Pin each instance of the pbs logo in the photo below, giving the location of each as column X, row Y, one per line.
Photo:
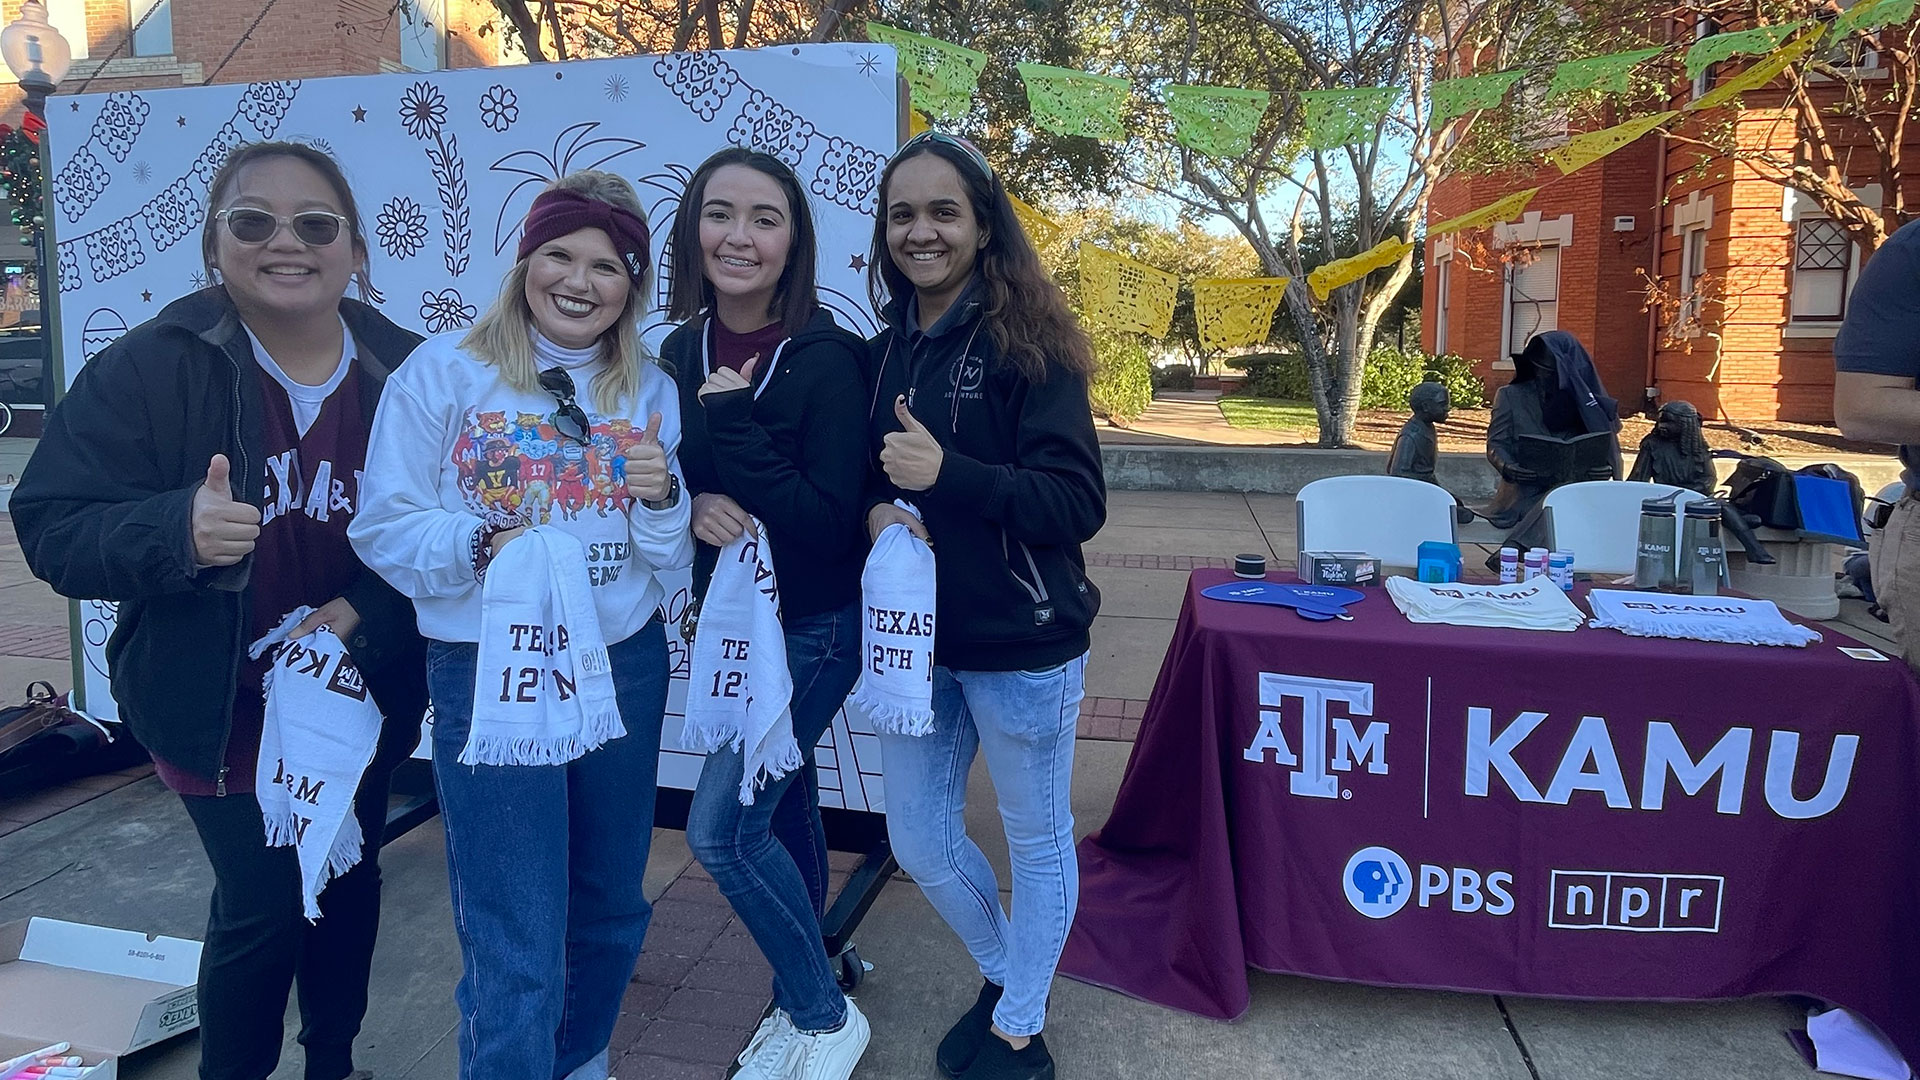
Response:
column 1377, row 882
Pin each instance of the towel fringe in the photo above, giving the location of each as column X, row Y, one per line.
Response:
column 600, row 728
column 889, row 717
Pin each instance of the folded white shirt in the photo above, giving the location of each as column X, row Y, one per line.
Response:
column 1527, row 605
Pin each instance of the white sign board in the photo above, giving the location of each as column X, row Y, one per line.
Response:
column 444, row 166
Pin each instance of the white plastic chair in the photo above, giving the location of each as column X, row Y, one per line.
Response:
column 1388, row 517
column 1599, row 521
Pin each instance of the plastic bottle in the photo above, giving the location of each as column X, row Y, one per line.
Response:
column 1509, row 565
column 1560, row 569
column 1655, row 565
column 1535, row 563
column 1702, row 559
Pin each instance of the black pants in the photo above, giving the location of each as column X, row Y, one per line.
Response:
column 259, row 942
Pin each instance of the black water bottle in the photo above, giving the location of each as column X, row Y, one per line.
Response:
column 1654, row 564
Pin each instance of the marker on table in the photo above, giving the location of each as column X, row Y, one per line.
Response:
column 43, row 1072
column 13, row 1066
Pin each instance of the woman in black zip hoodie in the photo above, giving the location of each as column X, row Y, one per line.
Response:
column 202, row 473
column 979, row 418
column 773, row 408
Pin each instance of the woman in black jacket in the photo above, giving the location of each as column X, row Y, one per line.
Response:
column 202, row 472
column 979, row 416
column 772, row 409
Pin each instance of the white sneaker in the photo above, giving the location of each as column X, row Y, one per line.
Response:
column 832, row 1055
column 771, row 1043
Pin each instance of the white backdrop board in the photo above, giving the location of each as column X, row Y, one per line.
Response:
column 444, row 166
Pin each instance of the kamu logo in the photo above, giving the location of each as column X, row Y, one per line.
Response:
column 1591, row 763
column 1327, row 744
column 1378, row 883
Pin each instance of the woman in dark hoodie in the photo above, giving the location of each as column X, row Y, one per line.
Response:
column 773, row 409
column 980, row 419
column 202, row 472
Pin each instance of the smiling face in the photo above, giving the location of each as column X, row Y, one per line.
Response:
column 577, row 286
column 284, row 279
column 746, row 234
column 933, row 236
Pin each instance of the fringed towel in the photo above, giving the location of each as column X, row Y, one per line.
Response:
column 1527, row 605
column 543, row 690
column 321, row 731
column 738, row 686
column 1734, row 619
column 896, row 673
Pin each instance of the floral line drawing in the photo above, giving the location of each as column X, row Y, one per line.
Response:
column 445, row 310
column 423, row 112
column 401, row 227
column 616, row 88
column 499, row 108
column 572, row 151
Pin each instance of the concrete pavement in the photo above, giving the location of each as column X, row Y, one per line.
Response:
column 128, row 857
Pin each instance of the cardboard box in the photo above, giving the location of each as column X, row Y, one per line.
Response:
column 1338, row 568
column 108, row 992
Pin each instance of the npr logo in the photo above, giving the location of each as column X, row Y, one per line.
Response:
column 1327, row 744
column 1646, row 903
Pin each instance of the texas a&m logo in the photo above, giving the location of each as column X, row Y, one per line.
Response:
column 1328, row 744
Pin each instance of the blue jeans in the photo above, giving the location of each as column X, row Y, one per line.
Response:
column 1025, row 722
column 546, row 863
column 771, row 858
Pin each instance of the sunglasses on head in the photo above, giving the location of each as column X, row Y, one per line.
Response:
column 963, row 145
column 570, row 420
column 314, row 228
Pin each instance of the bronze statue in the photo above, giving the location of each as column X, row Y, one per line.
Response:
column 1416, row 449
column 1675, row 452
column 1553, row 424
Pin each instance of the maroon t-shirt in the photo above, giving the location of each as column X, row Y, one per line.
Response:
column 731, row 350
column 302, row 555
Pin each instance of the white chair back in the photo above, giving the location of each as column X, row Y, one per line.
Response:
column 1388, row 517
column 1599, row 521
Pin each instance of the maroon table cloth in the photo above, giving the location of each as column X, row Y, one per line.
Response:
column 1579, row 814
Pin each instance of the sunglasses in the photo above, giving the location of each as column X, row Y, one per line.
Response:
column 570, row 419
column 956, row 142
column 314, row 228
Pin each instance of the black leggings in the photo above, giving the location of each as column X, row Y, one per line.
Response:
column 259, row 942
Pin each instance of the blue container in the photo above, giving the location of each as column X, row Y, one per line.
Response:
column 1438, row 561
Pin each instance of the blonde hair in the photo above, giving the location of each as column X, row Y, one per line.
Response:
column 504, row 335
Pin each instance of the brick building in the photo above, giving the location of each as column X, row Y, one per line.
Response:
column 1756, row 277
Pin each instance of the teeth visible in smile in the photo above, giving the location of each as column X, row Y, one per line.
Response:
column 570, row 306
column 289, row 271
column 741, row 263
column 927, row 256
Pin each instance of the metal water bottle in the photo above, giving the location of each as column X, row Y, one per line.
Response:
column 1655, row 565
column 1702, row 559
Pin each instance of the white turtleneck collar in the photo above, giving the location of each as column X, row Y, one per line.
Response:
column 546, row 354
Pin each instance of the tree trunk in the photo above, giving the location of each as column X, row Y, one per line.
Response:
column 525, row 25
column 830, row 16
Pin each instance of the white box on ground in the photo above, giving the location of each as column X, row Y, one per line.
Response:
column 108, row 992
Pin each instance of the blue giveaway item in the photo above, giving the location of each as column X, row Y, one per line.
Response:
column 1826, row 508
column 1439, row 561
column 1316, row 602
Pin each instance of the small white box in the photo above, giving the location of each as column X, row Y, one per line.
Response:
column 108, row 992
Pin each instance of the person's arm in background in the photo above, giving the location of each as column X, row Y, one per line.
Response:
column 1876, row 356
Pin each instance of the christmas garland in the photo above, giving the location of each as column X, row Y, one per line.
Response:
column 20, row 175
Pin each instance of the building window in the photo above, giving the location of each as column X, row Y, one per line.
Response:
column 423, row 34
column 70, row 18
column 1442, row 295
column 1822, row 270
column 1704, row 27
column 152, row 23
column 1533, row 295
column 1693, row 265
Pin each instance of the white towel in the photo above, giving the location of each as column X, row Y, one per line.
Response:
column 321, row 731
column 1526, row 605
column 1735, row 619
column 738, row 686
column 896, row 646
column 543, row 688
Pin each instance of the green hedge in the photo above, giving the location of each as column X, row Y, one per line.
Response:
column 1173, row 377
column 1390, row 376
column 1122, row 385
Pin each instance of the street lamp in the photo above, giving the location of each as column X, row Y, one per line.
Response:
column 39, row 57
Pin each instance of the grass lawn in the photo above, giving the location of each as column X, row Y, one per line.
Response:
column 1272, row 414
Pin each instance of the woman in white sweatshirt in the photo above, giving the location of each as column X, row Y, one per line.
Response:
column 547, row 412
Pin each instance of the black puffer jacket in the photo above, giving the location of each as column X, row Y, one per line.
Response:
column 104, row 512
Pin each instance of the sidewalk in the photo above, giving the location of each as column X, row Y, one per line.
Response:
column 127, row 857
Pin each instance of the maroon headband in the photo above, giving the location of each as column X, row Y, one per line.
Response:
column 558, row 212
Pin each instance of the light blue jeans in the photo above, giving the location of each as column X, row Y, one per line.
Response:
column 1025, row 723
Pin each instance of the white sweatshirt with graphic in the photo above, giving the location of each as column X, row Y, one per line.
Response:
column 453, row 445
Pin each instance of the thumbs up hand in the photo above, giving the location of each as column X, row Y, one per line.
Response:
column 724, row 379
column 224, row 529
column 911, row 457
column 647, row 473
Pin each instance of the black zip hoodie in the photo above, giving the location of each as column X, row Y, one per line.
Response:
column 104, row 512
column 1020, row 488
column 795, row 457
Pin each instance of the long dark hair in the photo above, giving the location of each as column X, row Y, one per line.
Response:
column 321, row 162
column 688, row 290
column 1026, row 312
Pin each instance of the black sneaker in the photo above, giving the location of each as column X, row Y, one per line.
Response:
column 963, row 1040
column 999, row 1061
